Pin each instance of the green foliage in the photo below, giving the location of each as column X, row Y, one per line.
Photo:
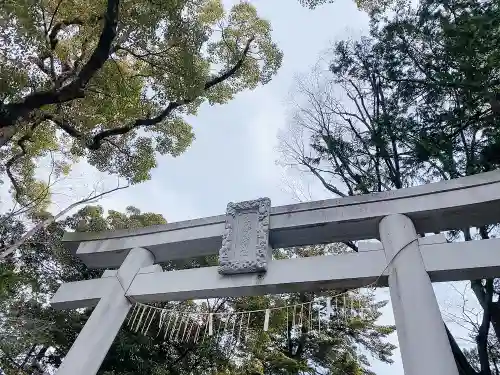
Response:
column 28, row 322
column 10, row 232
column 366, row 5
column 419, row 102
column 160, row 61
column 452, row 85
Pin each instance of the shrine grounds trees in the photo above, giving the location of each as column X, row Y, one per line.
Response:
column 109, row 81
column 415, row 102
column 34, row 337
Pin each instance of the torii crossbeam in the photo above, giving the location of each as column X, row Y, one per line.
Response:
column 394, row 217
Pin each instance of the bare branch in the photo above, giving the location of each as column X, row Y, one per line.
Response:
column 45, row 223
column 54, row 14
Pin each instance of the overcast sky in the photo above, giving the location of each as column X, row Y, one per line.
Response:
column 234, row 155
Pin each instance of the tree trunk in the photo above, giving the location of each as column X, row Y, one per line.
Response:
column 464, row 368
column 482, row 335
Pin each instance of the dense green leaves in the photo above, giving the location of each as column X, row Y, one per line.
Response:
column 110, row 81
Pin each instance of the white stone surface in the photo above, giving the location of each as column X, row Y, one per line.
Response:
column 369, row 246
column 395, row 217
column 93, row 342
column 443, row 262
column 454, row 204
column 377, row 245
column 432, row 240
column 78, row 294
column 423, row 342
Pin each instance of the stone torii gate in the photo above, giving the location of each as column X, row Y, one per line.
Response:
column 245, row 236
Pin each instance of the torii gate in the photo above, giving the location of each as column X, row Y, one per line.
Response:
column 245, row 236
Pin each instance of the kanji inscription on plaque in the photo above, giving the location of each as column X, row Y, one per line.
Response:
column 245, row 242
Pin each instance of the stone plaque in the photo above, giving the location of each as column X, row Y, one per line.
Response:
column 245, row 242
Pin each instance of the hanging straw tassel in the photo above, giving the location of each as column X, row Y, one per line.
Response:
column 319, row 320
column 234, row 324
column 132, row 314
column 138, row 311
column 188, row 326
column 188, row 320
column 198, row 329
column 210, row 324
column 146, row 319
column 225, row 324
column 183, row 320
column 310, row 316
column 170, row 320
column 163, row 314
column 287, row 330
column 206, row 329
column 266, row 320
column 150, row 321
column 345, row 310
column 140, row 319
column 248, row 327
column 173, row 327
column 239, row 332
column 328, row 311
column 190, row 330
column 220, row 325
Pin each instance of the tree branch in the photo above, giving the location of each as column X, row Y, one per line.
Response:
column 95, row 143
column 482, row 335
column 45, row 223
column 14, row 159
column 464, row 368
column 328, row 186
column 11, row 113
column 54, row 14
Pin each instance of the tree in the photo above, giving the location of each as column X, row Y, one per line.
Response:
column 417, row 104
column 357, row 142
column 441, row 56
column 110, row 81
column 370, row 6
column 33, row 327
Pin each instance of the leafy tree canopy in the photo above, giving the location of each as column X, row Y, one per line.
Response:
column 110, row 81
column 366, row 5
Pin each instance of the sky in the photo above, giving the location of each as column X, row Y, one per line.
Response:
column 234, row 155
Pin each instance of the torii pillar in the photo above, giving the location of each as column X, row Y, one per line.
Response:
column 92, row 344
column 422, row 336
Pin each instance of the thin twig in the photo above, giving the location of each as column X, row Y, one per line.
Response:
column 47, row 222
